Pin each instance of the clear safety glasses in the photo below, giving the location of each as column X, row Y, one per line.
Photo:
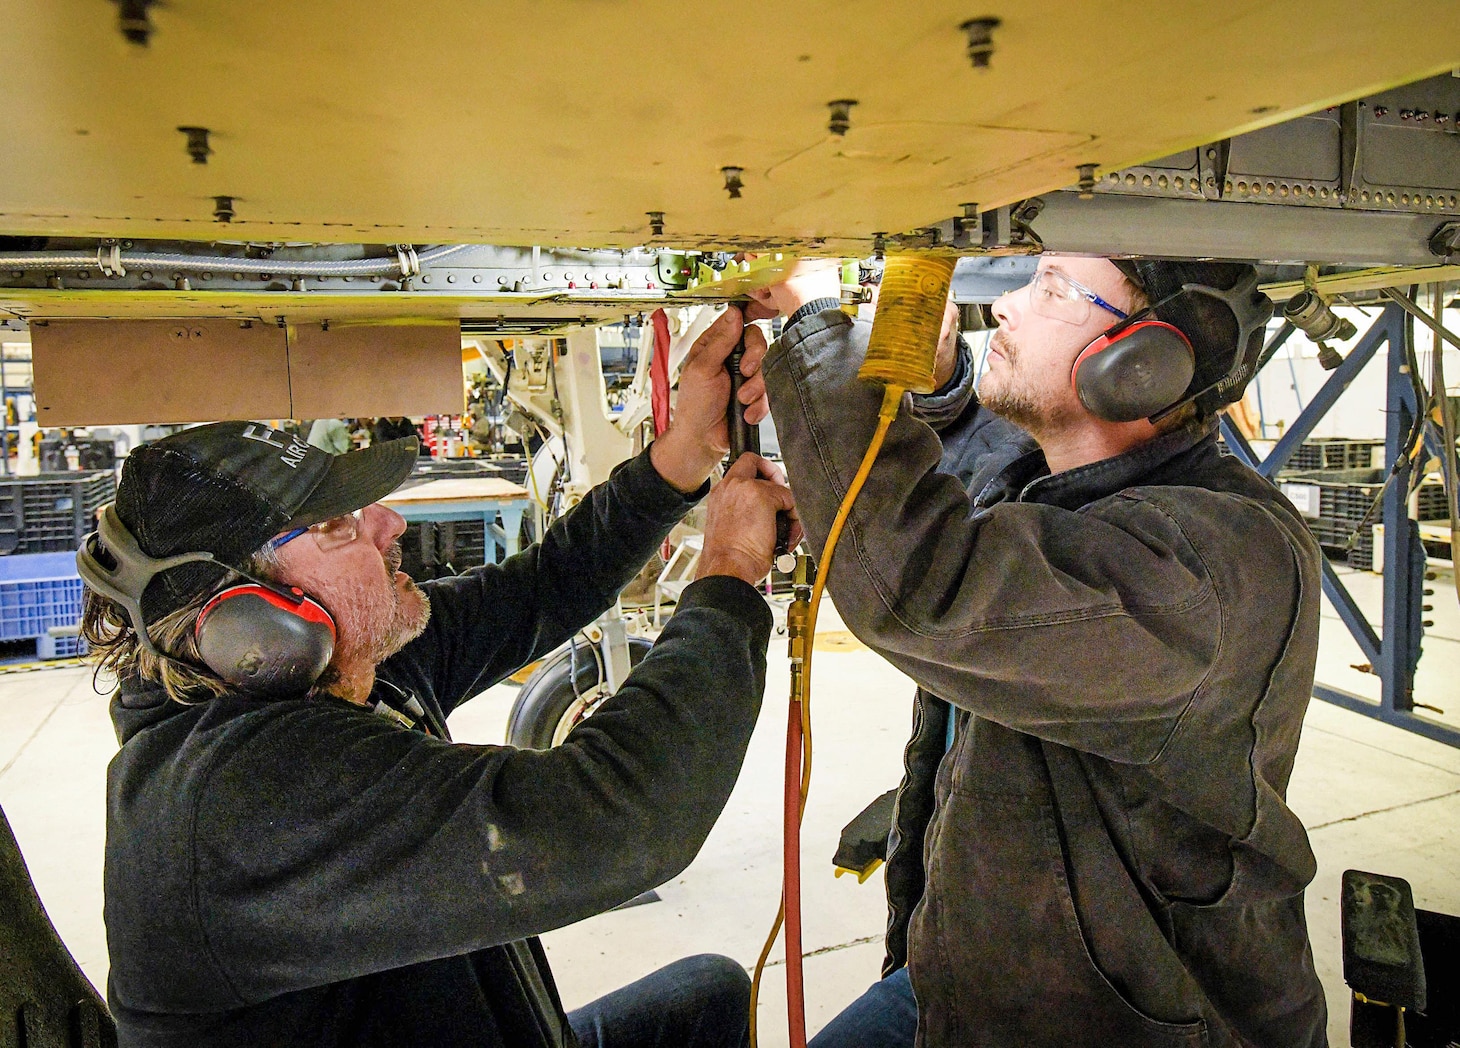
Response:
column 1053, row 294
column 328, row 534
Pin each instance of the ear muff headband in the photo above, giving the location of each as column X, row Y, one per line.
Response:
column 1251, row 310
column 129, row 572
column 288, row 653
column 1133, row 370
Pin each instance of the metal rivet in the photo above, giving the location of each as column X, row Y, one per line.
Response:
column 841, row 115
column 733, row 184
column 980, row 40
column 1087, row 180
column 133, row 21
column 476, row 278
column 1130, row 180
column 1180, row 182
column 1146, row 181
column 451, row 278
column 197, row 145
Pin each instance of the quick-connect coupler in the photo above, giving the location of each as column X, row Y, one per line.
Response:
column 798, row 615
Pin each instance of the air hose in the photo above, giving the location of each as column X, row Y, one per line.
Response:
column 902, row 356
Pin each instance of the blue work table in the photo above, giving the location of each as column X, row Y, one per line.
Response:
column 468, row 498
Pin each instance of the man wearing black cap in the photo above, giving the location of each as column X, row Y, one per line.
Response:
column 1113, row 629
column 296, row 852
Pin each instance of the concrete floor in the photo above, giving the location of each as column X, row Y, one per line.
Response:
column 1372, row 796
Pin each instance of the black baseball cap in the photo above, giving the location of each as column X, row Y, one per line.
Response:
column 1215, row 324
column 228, row 487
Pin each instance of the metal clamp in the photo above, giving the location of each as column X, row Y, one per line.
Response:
column 109, row 260
column 410, row 263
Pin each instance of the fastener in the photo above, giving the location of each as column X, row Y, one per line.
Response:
column 733, row 184
column 980, row 40
column 1087, row 181
column 198, row 147
column 134, row 22
column 841, row 115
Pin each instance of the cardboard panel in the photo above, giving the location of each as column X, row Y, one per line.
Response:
column 376, row 369
column 117, row 372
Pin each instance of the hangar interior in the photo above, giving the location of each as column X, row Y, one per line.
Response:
column 509, row 229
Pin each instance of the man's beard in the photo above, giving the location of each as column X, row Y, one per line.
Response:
column 412, row 610
column 380, row 635
column 1015, row 399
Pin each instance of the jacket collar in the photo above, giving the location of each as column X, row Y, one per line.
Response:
column 1083, row 485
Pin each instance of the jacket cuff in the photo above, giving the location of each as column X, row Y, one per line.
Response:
column 729, row 594
column 811, row 309
column 946, row 405
column 650, row 493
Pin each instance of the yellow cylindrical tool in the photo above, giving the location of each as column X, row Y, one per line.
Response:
column 904, row 344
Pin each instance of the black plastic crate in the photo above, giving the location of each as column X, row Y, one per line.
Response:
column 431, row 549
column 511, row 468
column 1432, row 504
column 1335, row 453
column 1361, row 557
column 52, row 511
column 1344, row 495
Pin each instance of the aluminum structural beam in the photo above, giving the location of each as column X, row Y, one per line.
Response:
column 1394, row 652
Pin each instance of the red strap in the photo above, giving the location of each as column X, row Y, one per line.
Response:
column 659, row 373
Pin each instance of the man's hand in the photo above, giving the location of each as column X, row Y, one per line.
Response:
column 696, row 440
column 947, row 345
column 740, row 524
column 809, row 280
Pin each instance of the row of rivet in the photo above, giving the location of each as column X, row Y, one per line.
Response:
column 1284, row 189
column 1160, row 181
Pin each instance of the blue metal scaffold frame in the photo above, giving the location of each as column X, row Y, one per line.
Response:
column 1394, row 652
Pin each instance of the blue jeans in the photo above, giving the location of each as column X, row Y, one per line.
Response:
column 699, row 1002
column 886, row 1016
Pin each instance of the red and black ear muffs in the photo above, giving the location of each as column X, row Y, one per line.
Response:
column 1134, row 369
column 265, row 640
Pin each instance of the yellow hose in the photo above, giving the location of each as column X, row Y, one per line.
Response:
column 891, row 398
column 901, row 354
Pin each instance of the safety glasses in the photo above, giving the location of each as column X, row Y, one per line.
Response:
column 1057, row 296
column 328, row 534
